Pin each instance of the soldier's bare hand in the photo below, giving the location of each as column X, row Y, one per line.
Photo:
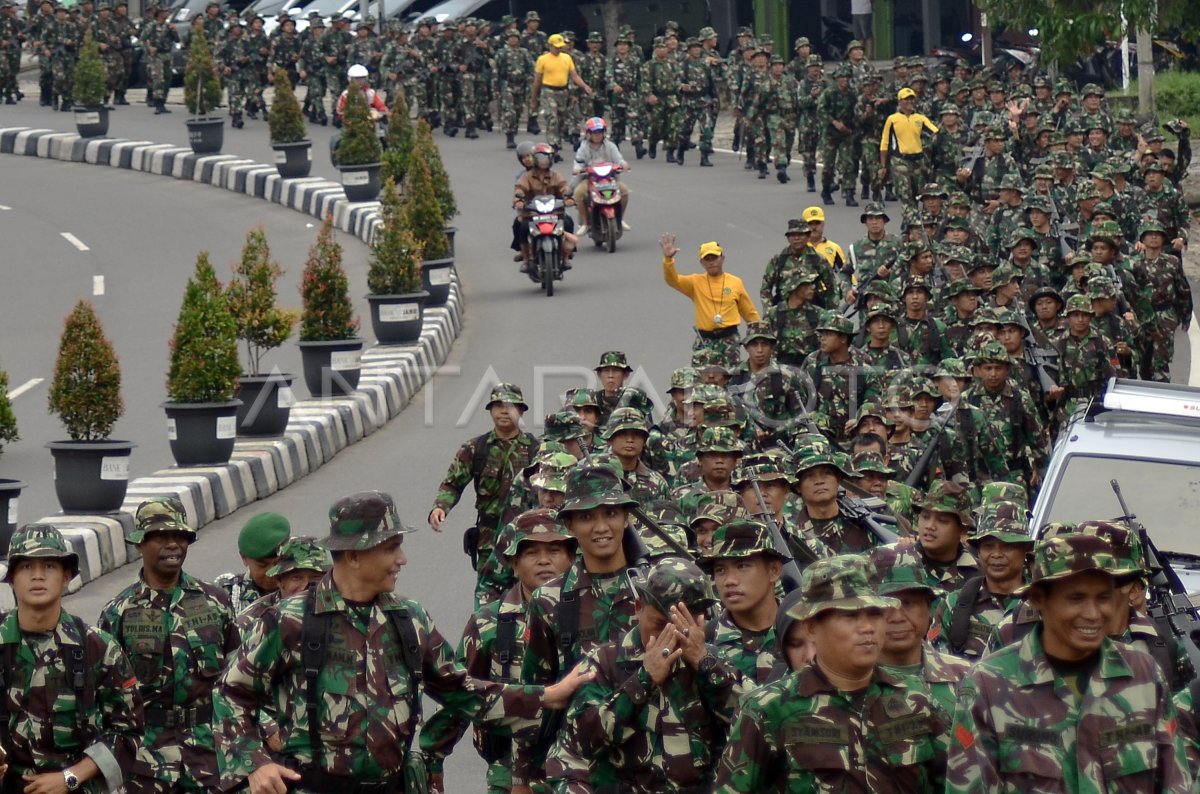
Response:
column 269, row 779
column 669, row 249
column 658, row 666
column 437, row 782
column 1178, row 243
column 558, row 696
column 436, row 516
column 691, row 634
column 46, row 783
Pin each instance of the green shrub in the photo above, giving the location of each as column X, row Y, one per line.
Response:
column 91, row 77
column 422, row 213
column 201, row 88
column 328, row 314
column 86, row 391
column 261, row 324
column 1176, row 95
column 437, row 171
column 204, row 354
column 8, row 420
column 286, row 120
column 359, row 144
column 395, row 267
column 398, row 145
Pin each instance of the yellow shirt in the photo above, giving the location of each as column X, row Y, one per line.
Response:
column 902, row 134
column 555, row 68
column 723, row 295
column 832, row 252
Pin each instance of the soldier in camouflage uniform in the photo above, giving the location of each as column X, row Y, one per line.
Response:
column 236, row 58
column 1084, row 366
column 1097, row 719
column 70, row 712
column 177, row 632
column 805, row 733
column 660, row 81
column 493, row 642
column 514, row 70
column 807, row 135
column 794, row 320
column 1170, row 299
column 773, row 395
column 258, row 544
column 593, row 68
column 623, row 78
column 285, row 51
column 870, row 114
column 839, row 375
column 335, row 53
column 626, row 433
column 717, row 452
column 942, row 528
column 159, row 38
column 491, row 462
column 837, row 125
column 375, row 657
column 658, row 708
column 698, row 84
column 873, row 256
column 782, row 114
column 312, row 71
column 12, row 38
column 60, row 42
column 799, row 256
column 111, row 43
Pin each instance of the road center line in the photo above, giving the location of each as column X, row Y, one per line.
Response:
column 4, row 208
column 1194, row 344
column 75, row 241
column 97, row 285
column 24, row 387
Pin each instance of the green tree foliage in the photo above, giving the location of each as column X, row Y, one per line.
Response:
column 395, row 253
column 91, row 76
column 204, row 354
column 328, row 314
column 422, row 213
column 1068, row 29
column 359, row 144
column 437, row 171
column 398, row 145
column 201, row 88
column 8, row 420
column 261, row 324
column 286, row 120
column 86, row 391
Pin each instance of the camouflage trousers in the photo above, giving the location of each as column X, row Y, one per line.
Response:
column 160, row 76
column 662, row 122
column 868, row 149
column 552, row 114
column 708, row 123
column 115, row 70
column 782, row 131
column 729, row 348
column 7, row 84
column 907, row 176
column 806, row 145
column 577, row 110
column 1157, row 345
column 837, row 155
column 514, row 100
column 336, row 80
column 314, row 99
column 64, row 76
column 258, row 84
column 468, row 91
column 45, row 72
column 625, row 121
column 759, row 135
column 241, row 91
column 690, row 112
column 415, row 93
column 449, row 99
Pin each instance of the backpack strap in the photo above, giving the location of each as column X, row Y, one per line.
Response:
column 479, row 456
column 960, row 617
column 79, row 675
column 410, row 646
column 566, row 615
column 313, row 639
column 504, row 650
column 8, row 657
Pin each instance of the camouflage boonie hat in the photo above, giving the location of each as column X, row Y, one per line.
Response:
column 300, row 554
column 894, row 569
column 589, row 486
column 719, row 506
column 820, row 454
column 506, row 393
column 995, row 134
column 874, row 209
column 835, row 322
column 1154, row 166
column 801, row 42
column 706, row 33
column 869, row 461
column 761, row 466
column 839, row 583
column 867, row 408
column 722, row 412
column 1003, row 521
column 682, row 379
column 1151, row 225
column 1066, row 555
column 758, row 330
column 843, row 70
column 739, row 539
column 626, row 419
column 595, row 36
column 916, row 282
column 707, row 358
column 881, row 288
column 1005, row 273
column 992, row 351
column 564, row 426
column 165, row 514
column 961, row 287
column 580, row 398
column 704, row 393
column 540, row 525
column 881, row 309
column 941, row 498
column 797, row 226
column 1040, row 203
column 362, row 521
column 1082, row 304
column 951, row 368
column 1012, row 182
column 41, row 541
column 672, row 580
column 532, row 16
column 551, row 474
column 720, row 439
column 613, row 358
column 1126, row 546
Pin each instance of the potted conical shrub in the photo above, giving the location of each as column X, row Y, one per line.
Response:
column 423, row 216
column 202, row 381
column 91, row 471
column 359, row 151
column 262, row 325
column 89, row 89
column 202, row 94
column 330, row 347
column 441, row 180
column 289, row 134
column 399, row 142
column 394, row 275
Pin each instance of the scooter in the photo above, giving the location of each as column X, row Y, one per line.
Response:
column 604, row 205
column 546, row 232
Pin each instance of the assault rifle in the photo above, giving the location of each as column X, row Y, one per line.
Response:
column 856, row 510
column 791, row 570
column 1060, row 232
column 1040, row 359
column 946, row 411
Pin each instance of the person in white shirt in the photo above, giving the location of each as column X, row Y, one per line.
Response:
column 596, row 148
column 860, row 14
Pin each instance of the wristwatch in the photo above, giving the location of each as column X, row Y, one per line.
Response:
column 707, row 664
column 72, row 780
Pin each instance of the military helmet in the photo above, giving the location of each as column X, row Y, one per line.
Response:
column 838, row 583
column 362, row 521
column 672, row 580
column 41, row 541
column 165, row 514
column 300, row 554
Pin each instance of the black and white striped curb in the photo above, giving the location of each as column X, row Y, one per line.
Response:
column 317, row 430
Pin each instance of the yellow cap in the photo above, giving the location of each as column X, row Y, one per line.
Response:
column 905, row 93
column 710, row 249
column 813, row 214
column 557, row 40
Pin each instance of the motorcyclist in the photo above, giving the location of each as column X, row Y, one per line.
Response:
column 595, row 148
column 358, row 74
column 525, row 158
column 542, row 180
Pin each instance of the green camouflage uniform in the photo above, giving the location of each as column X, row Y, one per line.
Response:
column 1083, row 367
column 836, row 402
column 787, row 262
column 514, row 70
column 63, row 39
column 660, row 79
column 1171, row 301
column 782, row 116
column 625, row 108
column 836, row 148
column 697, row 74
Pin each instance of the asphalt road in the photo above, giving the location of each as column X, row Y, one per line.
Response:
column 512, row 332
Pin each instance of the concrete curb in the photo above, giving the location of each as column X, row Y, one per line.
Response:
column 317, row 430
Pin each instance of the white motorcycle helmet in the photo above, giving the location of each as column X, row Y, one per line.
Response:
column 357, row 70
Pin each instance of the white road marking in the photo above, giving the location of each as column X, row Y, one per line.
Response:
column 24, row 387
column 1194, row 351
column 75, row 241
column 4, row 208
column 97, row 285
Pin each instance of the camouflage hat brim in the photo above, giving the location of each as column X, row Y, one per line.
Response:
column 707, row 562
column 44, row 554
column 893, row 588
column 365, row 541
column 805, row 610
column 1010, row 537
column 614, row 498
column 138, row 535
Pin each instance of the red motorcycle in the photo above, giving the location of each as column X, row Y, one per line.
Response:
column 604, row 205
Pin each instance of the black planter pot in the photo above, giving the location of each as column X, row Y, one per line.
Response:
column 450, row 232
column 9, row 491
column 293, row 160
column 435, row 279
column 331, row 369
column 91, row 122
column 397, row 319
column 206, row 135
column 91, row 476
column 361, row 182
column 202, row 434
column 267, row 402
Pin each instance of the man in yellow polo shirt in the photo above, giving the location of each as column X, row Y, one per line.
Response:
column 901, row 147
column 553, row 71
column 815, row 218
column 720, row 300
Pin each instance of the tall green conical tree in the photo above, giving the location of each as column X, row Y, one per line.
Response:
column 395, row 267
column 86, row 391
column 201, row 88
column 422, row 213
column 286, row 119
column 91, row 76
column 8, row 420
column 328, row 314
column 359, row 144
column 398, row 145
column 204, row 354
column 261, row 324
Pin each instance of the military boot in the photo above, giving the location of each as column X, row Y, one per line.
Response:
column 762, row 170
column 654, row 150
column 704, row 161
column 670, row 155
column 866, row 192
column 531, row 126
column 639, row 149
column 451, row 130
column 876, row 196
column 509, row 143
column 435, row 120
column 237, row 122
column 44, row 99
column 65, row 106
column 471, row 133
column 679, row 155
column 889, row 194
column 121, row 100
column 781, row 174
column 850, row 200
column 811, row 181
column 826, row 196
column 8, row 99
